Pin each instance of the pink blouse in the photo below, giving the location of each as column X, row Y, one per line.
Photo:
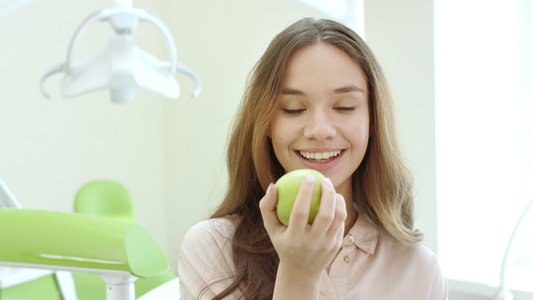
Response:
column 371, row 265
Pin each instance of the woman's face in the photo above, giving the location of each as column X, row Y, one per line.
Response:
column 322, row 120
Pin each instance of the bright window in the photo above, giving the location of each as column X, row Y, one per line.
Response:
column 484, row 119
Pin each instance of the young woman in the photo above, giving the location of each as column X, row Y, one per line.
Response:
column 317, row 99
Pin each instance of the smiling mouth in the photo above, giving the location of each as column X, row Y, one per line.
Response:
column 320, row 156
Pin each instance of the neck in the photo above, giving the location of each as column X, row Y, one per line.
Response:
column 351, row 213
column 351, row 216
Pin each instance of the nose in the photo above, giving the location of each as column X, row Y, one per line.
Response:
column 319, row 126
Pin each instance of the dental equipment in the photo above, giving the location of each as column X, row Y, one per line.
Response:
column 120, row 252
column 7, row 199
column 121, row 66
column 38, row 245
column 503, row 292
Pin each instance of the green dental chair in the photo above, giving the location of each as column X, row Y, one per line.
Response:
column 106, row 198
column 118, row 251
column 71, row 256
column 110, row 199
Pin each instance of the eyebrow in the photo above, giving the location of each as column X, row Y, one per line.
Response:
column 291, row 91
column 348, row 89
column 345, row 89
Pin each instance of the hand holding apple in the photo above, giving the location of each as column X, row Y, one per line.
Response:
column 288, row 186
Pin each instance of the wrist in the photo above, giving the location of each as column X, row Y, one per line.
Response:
column 294, row 284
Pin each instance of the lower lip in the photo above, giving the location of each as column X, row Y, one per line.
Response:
column 320, row 166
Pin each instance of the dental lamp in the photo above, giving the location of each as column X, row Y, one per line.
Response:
column 120, row 66
column 503, row 292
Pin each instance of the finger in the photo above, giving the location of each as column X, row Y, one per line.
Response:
column 267, row 205
column 326, row 210
column 338, row 222
column 302, row 204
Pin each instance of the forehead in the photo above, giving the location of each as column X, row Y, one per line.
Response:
column 322, row 66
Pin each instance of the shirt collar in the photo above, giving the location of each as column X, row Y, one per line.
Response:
column 365, row 234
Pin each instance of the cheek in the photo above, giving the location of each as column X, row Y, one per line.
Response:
column 360, row 133
column 279, row 141
column 276, row 136
column 282, row 131
column 274, row 130
column 364, row 132
column 283, row 138
column 280, row 148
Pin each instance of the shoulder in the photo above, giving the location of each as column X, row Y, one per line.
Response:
column 205, row 263
column 427, row 263
column 215, row 228
column 417, row 263
column 412, row 253
column 372, row 239
column 205, row 253
column 207, row 232
column 415, row 266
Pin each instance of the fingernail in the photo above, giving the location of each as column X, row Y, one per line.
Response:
column 268, row 189
column 310, row 178
column 328, row 182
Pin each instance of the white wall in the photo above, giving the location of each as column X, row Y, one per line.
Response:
column 170, row 153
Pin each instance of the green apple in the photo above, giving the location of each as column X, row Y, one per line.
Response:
column 288, row 186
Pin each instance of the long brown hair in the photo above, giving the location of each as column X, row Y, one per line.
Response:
column 382, row 184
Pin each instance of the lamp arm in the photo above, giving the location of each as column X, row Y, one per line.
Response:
column 169, row 40
column 143, row 15
column 186, row 70
column 175, row 66
column 505, row 261
column 65, row 67
column 93, row 18
column 58, row 68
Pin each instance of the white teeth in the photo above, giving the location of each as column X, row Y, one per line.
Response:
column 320, row 155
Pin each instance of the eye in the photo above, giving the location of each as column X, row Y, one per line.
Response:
column 293, row 111
column 344, row 108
